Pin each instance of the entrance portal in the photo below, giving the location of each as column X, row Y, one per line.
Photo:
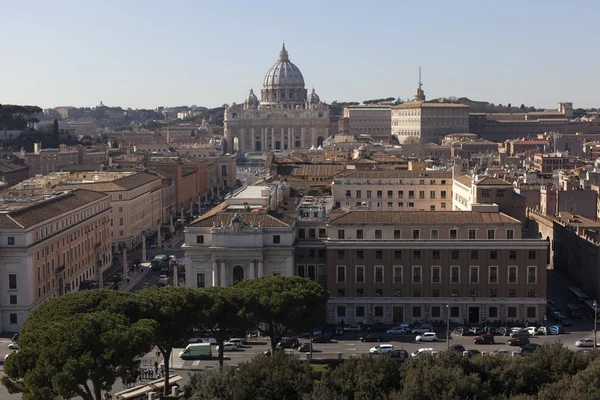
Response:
column 257, row 146
column 238, row 274
column 473, row 315
column 398, row 315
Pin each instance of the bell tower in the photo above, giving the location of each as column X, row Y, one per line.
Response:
column 419, row 93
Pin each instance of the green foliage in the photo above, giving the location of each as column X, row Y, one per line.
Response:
column 285, row 303
column 584, row 385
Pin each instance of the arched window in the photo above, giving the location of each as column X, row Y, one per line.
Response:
column 238, row 274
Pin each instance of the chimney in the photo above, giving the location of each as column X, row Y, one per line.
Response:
column 36, row 148
column 62, row 148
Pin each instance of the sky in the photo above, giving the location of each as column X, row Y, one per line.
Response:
column 145, row 54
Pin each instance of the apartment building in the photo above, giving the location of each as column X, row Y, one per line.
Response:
column 407, row 266
column 547, row 163
column 371, row 121
column 393, row 190
column 45, row 161
column 50, row 245
column 12, row 173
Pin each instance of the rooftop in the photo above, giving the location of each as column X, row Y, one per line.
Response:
column 423, row 104
column 423, row 218
column 269, row 219
column 393, row 174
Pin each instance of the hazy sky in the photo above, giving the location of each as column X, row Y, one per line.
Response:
column 143, row 54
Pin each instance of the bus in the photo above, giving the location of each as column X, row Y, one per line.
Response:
column 573, row 311
column 577, row 296
column 590, row 309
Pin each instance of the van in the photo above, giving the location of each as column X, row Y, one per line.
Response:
column 423, row 351
column 196, row 350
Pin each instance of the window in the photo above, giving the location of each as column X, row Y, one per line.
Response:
column 341, row 254
column 341, row 292
column 341, row 273
column 512, row 312
column 531, row 293
column 397, row 234
column 378, row 234
column 321, row 253
column 531, row 274
column 12, row 281
column 312, row 234
column 360, row 311
column 416, row 274
column 500, row 193
column 341, row 311
column 454, row 254
column 360, row 254
column 436, row 274
column 532, row 254
column 512, row 254
column 300, row 271
column 379, row 292
column 322, row 233
column 390, row 194
column 493, row 278
column 360, row 292
column 369, row 194
column 510, row 234
column 435, row 234
column 486, row 193
column 341, row 234
column 512, row 274
column 11, row 241
column 474, row 275
column 512, row 293
column 443, row 194
column 321, row 272
column 360, row 274
column 416, row 254
column 493, row 312
column 400, row 194
column 397, row 254
column 435, row 254
column 531, row 312
column 379, row 254
column 491, row 234
column 453, row 234
column 199, row 239
column 436, row 312
column 455, row 274
column 474, row 254
column 432, row 194
column 301, row 234
column 379, row 311
column 120, row 221
column 200, row 280
column 358, row 194
column 397, row 292
column 13, row 319
column 379, row 274
column 493, row 292
column 276, row 239
column 454, row 312
column 13, row 299
column 397, row 274
column 454, row 292
column 415, row 234
column 493, row 254
column 421, row 194
column 359, row 234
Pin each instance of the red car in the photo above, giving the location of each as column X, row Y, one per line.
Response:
column 484, row 339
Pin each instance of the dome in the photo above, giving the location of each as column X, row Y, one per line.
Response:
column 313, row 98
column 283, row 73
column 252, row 97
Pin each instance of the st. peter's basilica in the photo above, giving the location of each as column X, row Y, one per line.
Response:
column 286, row 116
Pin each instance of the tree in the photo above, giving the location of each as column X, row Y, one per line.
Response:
column 78, row 354
column 283, row 303
column 522, row 107
column 224, row 314
column 585, row 385
column 211, row 384
column 174, row 309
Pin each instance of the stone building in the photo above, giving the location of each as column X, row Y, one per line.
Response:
column 287, row 116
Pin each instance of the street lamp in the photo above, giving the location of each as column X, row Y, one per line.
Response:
column 595, row 304
column 447, row 326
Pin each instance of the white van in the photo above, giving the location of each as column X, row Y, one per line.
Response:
column 423, row 351
column 196, row 350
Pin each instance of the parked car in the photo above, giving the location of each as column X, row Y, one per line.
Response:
column 556, row 330
column 502, row 352
column 585, row 342
column 228, row 347
column 322, row 339
column 426, row 337
column 13, row 346
column 533, row 330
column 502, row 331
column 371, row 337
column 423, row 328
column 520, row 334
column 476, row 331
column 238, row 342
column 398, row 331
column 518, row 341
column 529, row 348
column 399, row 355
column 305, row 347
column 470, row 353
column 353, row 328
column 543, row 330
column 422, row 351
column 484, row 339
column 462, row 331
column 288, row 344
column 382, row 349
column 457, row 347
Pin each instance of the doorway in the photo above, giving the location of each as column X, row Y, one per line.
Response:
column 473, row 315
column 238, row 274
column 398, row 315
column 257, row 146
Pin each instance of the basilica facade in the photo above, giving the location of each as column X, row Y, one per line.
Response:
column 286, row 116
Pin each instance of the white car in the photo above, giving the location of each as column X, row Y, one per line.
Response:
column 237, row 341
column 13, row 346
column 502, row 352
column 228, row 347
column 422, row 351
column 423, row 328
column 427, row 337
column 398, row 331
column 353, row 328
column 382, row 349
column 585, row 342
column 533, row 330
column 516, row 329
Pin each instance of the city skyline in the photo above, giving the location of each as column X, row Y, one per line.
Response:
column 143, row 55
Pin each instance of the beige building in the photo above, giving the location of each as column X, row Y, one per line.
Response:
column 428, row 122
column 50, row 245
column 371, row 121
column 285, row 117
column 45, row 161
column 393, row 190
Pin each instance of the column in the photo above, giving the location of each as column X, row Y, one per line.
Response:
column 273, row 139
column 313, row 136
column 290, row 138
column 263, row 135
column 213, row 273
column 171, row 223
column 223, row 275
column 143, row 247
column 125, row 262
column 159, row 236
column 251, row 271
column 261, row 271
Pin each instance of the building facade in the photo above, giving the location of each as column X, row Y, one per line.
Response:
column 50, row 246
column 286, row 116
column 372, row 121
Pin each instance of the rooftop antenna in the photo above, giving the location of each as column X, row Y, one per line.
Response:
column 420, row 84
